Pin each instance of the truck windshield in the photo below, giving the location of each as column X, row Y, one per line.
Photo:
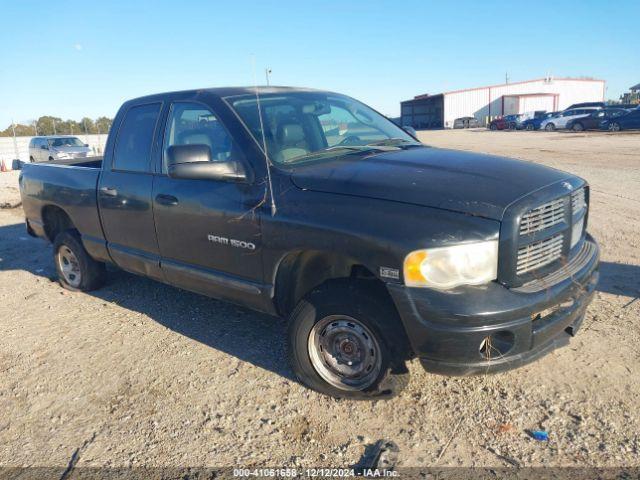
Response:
column 301, row 126
column 66, row 142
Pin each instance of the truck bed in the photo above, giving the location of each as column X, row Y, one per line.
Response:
column 70, row 186
column 89, row 162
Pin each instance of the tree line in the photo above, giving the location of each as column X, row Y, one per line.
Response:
column 48, row 125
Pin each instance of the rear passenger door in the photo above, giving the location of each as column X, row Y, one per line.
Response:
column 564, row 118
column 632, row 120
column 124, row 192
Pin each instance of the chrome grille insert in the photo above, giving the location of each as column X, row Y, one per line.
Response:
column 578, row 201
column 539, row 254
column 577, row 263
column 543, row 217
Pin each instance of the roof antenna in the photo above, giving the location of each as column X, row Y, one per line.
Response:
column 264, row 140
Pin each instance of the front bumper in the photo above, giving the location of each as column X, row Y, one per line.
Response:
column 474, row 330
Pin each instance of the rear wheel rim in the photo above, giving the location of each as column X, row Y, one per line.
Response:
column 614, row 127
column 344, row 352
column 69, row 266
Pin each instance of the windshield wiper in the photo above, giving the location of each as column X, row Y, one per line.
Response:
column 369, row 146
column 396, row 142
column 329, row 151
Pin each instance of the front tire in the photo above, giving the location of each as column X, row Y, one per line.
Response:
column 77, row 271
column 577, row 127
column 346, row 341
column 614, row 127
column 493, row 127
column 550, row 127
column 530, row 127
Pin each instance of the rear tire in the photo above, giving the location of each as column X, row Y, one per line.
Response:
column 345, row 340
column 577, row 127
column 530, row 127
column 493, row 127
column 614, row 127
column 550, row 127
column 77, row 271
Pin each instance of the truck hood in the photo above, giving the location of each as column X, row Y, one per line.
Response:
column 470, row 183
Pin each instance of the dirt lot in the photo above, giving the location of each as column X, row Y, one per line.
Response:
column 140, row 373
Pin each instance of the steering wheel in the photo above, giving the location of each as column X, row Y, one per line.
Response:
column 351, row 140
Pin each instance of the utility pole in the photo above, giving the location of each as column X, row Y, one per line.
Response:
column 54, row 126
column 35, row 126
column 506, row 77
column 99, row 138
column 15, row 142
column 267, row 73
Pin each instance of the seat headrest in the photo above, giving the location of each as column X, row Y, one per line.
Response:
column 290, row 134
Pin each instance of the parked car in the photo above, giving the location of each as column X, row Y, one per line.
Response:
column 499, row 123
column 63, row 147
column 508, row 122
column 377, row 248
column 534, row 123
column 628, row 121
column 586, row 104
column 560, row 121
column 594, row 119
column 466, row 122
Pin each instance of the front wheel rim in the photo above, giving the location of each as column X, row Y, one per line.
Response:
column 344, row 352
column 69, row 266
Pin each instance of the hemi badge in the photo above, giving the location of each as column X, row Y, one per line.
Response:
column 392, row 273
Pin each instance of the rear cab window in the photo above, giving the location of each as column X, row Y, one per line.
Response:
column 135, row 137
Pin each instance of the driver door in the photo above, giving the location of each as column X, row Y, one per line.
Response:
column 208, row 230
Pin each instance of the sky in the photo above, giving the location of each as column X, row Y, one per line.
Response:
column 82, row 58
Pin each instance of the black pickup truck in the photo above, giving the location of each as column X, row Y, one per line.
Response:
column 310, row 205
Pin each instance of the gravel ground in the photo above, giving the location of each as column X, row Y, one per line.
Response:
column 142, row 374
column 9, row 193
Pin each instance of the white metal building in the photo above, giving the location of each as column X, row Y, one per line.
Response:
column 485, row 103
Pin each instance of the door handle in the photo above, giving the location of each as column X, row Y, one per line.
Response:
column 109, row 191
column 163, row 199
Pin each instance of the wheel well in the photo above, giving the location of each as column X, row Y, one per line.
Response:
column 300, row 272
column 55, row 220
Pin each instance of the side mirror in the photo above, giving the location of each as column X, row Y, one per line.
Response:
column 411, row 131
column 194, row 162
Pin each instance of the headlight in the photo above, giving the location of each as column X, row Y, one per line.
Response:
column 448, row 267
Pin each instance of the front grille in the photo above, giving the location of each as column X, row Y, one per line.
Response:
column 577, row 263
column 543, row 217
column 536, row 239
column 578, row 201
column 539, row 254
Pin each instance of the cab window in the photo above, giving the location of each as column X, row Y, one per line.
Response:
column 195, row 124
column 135, row 137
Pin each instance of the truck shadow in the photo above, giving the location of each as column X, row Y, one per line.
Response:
column 249, row 336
